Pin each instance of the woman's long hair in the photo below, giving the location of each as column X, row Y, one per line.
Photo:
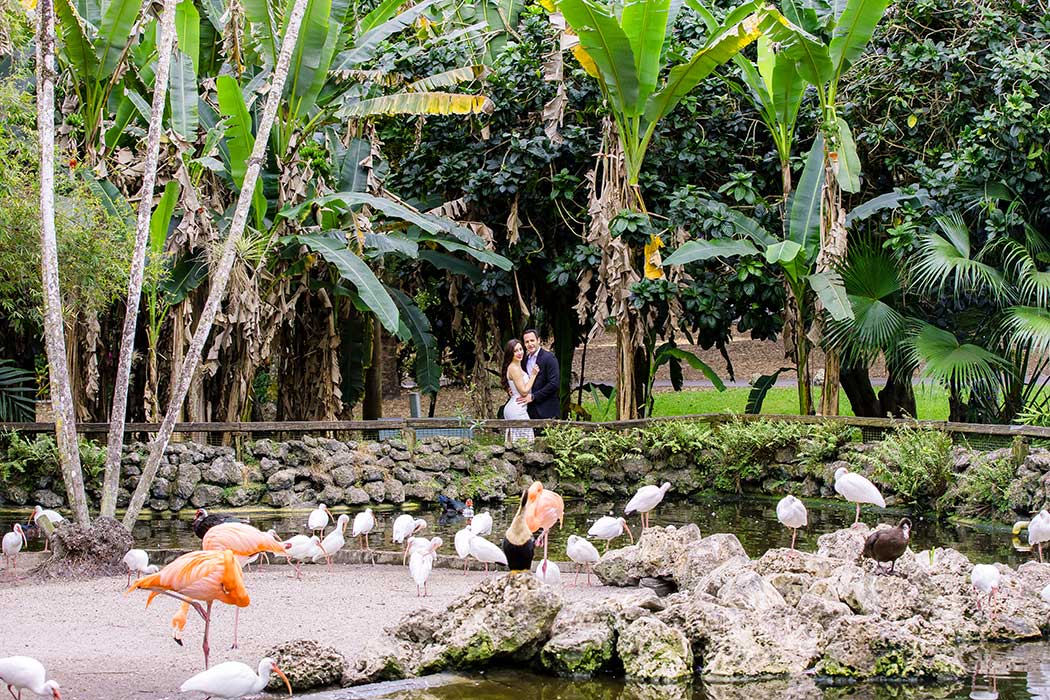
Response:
column 508, row 358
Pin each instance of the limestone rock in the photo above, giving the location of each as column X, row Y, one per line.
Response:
column 223, row 471
column 161, row 488
column 308, row 664
column 504, row 617
column 582, row 641
column 205, row 495
column 653, row 652
column 749, row 591
column 864, row 647
column 240, row 496
column 376, row 491
column 48, row 498
column 845, row 544
column 283, row 479
column 654, row 556
column 344, row 476
column 700, row 556
column 331, row 494
column 356, row 496
column 395, row 490
column 821, row 610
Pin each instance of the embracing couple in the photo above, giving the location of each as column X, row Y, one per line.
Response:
column 532, row 379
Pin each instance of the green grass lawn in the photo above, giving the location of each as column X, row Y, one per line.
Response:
column 930, row 403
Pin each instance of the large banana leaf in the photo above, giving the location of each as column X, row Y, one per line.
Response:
column 848, row 173
column 188, row 29
column 804, row 216
column 501, row 18
column 114, row 34
column 608, row 45
column 313, row 53
column 346, row 162
column 853, row 31
column 832, row 295
column 479, row 254
column 160, row 219
column 450, row 263
column 645, row 22
column 789, row 256
column 382, row 12
column 362, row 47
column 889, row 200
column 239, row 139
column 77, row 48
column 692, row 251
column 422, row 103
column 668, row 352
column 416, row 326
column 259, row 14
column 448, row 78
column 123, row 115
column 183, row 96
column 332, row 247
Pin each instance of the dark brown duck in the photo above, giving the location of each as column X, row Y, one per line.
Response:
column 887, row 545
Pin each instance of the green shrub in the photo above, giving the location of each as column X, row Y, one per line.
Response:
column 675, row 437
column 914, row 463
column 24, row 461
column 981, row 491
column 577, row 451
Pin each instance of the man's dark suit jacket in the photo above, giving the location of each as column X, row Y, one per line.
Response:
column 545, row 400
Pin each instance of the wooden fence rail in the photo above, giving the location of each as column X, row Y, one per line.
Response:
column 400, row 424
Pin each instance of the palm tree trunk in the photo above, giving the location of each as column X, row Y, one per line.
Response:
column 626, row 406
column 372, row 406
column 220, row 278
column 832, row 250
column 111, row 478
column 54, row 330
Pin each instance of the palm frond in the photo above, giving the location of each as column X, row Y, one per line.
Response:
column 17, row 388
column 947, row 257
column 873, row 284
column 942, row 358
column 1029, row 325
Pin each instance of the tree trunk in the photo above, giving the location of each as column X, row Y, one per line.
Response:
column 221, row 276
column 626, row 406
column 111, row 479
column 857, row 385
column 54, row 330
column 832, row 250
column 372, row 406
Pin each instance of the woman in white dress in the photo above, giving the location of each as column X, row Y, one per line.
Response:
column 518, row 384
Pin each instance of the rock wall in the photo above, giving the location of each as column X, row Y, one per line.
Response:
column 311, row 470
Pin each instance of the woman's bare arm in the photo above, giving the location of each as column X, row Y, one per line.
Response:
column 522, row 383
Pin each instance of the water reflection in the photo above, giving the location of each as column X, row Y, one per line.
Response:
column 752, row 518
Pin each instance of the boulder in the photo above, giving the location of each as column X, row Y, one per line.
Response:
column 845, row 544
column 205, row 495
column 12, row 493
column 223, row 471
column 184, row 489
column 356, row 496
column 345, row 476
column 582, row 641
column 240, row 496
column 821, row 610
column 280, row 499
column 653, row 652
column 376, row 491
column 749, row 591
column 700, row 556
column 504, row 617
column 161, row 488
column 865, row 647
column 426, row 491
column 331, row 494
column 308, row 664
column 48, row 498
column 280, row 480
column 654, row 556
column 775, row 561
column 395, row 490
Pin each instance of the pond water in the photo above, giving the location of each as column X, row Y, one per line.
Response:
column 752, row 518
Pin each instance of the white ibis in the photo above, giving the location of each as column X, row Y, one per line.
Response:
column 583, row 553
column 462, row 543
column 481, row 524
column 406, row 527
column 422, row 560
column 985, row 578
column 1039, row 531
column 791, row 513
column 647, row 498
column 364, row 523
column 318, row 519
column 302, row 548
column 486, row 552
column 137, row 562
column 12, row 545
column 548, row 572
column 53, row 517
column 333, row 541
column 232, row 679
column 26, row 673
column 609, row 528
column 857, row 489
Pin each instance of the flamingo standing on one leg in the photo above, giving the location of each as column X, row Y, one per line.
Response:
column 364, row 523
column 582, row 552
column 791, row 513
column 200, row 579
column 857, row 489
column 12, row 545
column 333, row 541
column 245, row 542
column 543, row 508
column 645, row 500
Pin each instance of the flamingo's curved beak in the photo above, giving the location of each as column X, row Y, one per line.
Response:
column 284, row 678
column 629, row 533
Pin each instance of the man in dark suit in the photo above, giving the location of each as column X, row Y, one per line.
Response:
column 543, row 401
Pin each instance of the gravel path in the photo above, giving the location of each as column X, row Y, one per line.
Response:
column 100, row 645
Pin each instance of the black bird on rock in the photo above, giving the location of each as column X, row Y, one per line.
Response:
column 202, row 522
column 888, row 544
column 518, row 542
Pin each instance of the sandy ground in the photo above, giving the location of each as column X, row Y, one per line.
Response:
column 101, row 645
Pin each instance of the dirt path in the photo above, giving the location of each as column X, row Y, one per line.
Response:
column 101, row 645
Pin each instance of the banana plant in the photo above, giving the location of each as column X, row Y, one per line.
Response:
column 795, row 253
